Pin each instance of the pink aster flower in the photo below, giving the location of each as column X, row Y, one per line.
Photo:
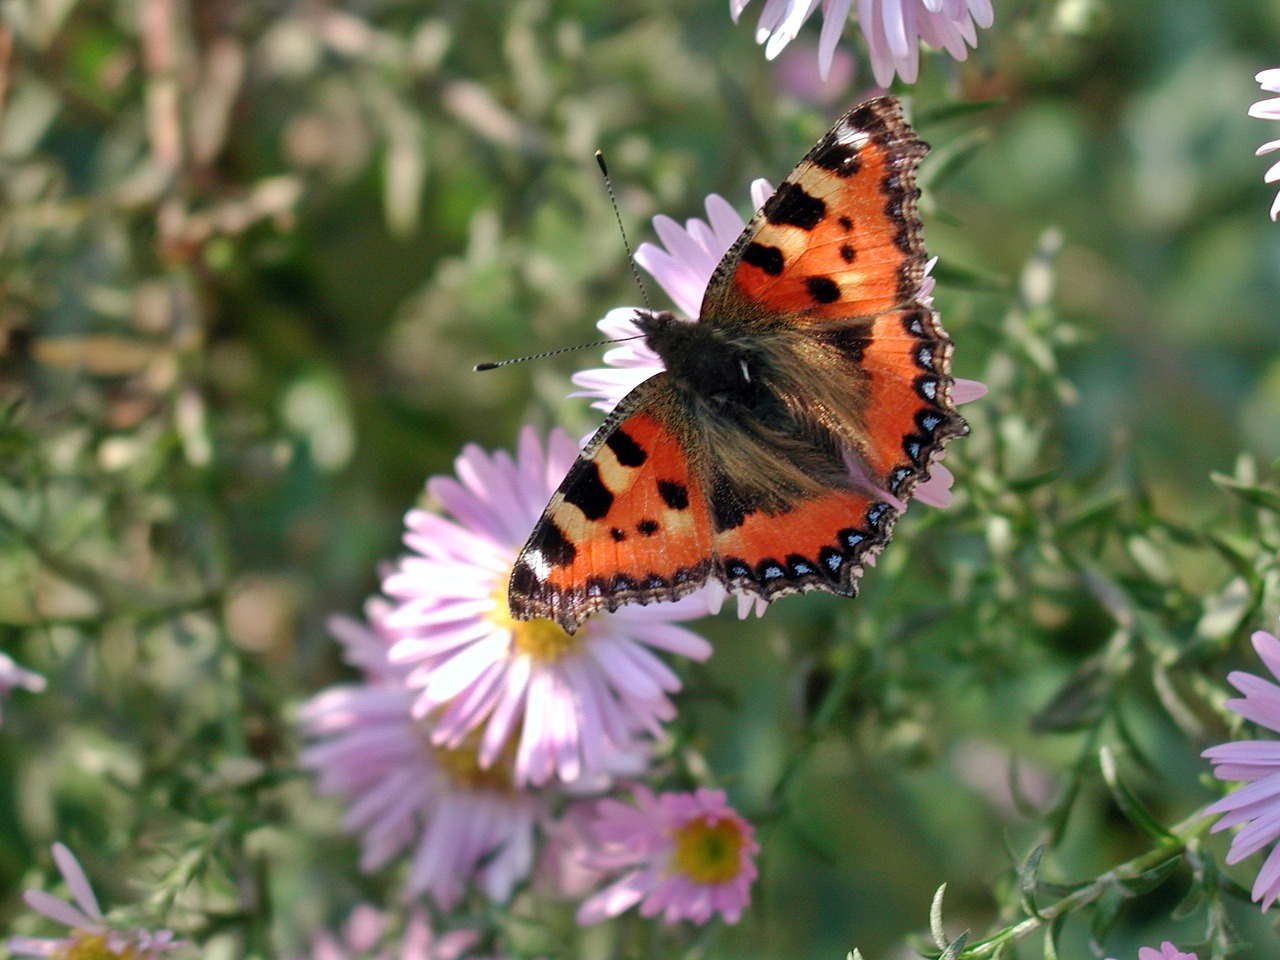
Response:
column 91, row 935
column 1257, row 763
column 577, row 707
column 456, row 822
column 684, row 855
column 1269, row 110
column 894, row 29
column 1167, row 951
column 13, row 677
column 365, row 935
column 682, row 267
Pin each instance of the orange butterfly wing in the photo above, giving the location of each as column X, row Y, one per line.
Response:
column 628, row 524
column 840, row 237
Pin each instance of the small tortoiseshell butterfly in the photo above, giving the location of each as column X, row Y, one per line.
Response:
column 793, row 419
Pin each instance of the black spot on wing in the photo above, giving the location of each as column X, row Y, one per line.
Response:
column 586, row 491
column 822, row 289
column 618, row 535
column 839, row 154
column 674, row 495
column 524, row 582
column 549, row 541
column 647, row 528
column 628, row 452
column 867, row 118
column 728, row 510
column 768, row 259
column 792, row 207
column 847, row 253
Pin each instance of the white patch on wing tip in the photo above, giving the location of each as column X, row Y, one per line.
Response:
column 537, row 563
column 854, row 137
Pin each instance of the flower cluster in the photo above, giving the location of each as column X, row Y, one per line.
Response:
column 367, row 935
column 1167, row 951
column 1257, row 764
column 1269, row 80
column 469, row 730
column 893, row 29
column 90, row 934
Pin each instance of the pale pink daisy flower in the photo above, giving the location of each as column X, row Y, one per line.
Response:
column 682, row 267
column 91, row 935
column 579, row 706
column 1257, row 762
column 13, row 677
column 1167, row 951
column 686, row 856
column 366, row 935
column 894, row 29
column 456, row 822
column 1269, row 110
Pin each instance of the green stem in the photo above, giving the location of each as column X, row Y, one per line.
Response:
column 1182, row 836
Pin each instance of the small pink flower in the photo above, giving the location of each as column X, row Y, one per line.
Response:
column 365, row 935
column 1167, row 951
column 684, row 855
column 13, row 676
column 577, row 708
column 1257, row 762
column 1269, row 110
column 682, row 267
column 457, row 823
column 894, row 29
column 91, row 935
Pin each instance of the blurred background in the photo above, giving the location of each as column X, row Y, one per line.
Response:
column 250, row 252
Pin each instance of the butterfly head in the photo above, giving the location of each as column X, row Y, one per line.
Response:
column 704, row 360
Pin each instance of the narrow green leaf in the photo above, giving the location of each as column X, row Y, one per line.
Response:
column 948, row 162
column 955, row 947
column 1259, row 495
column 955, row 111
column 1077, row 703
column 935, row 919
column 1051, row 933
column 1028, row 876
column 960, row 277
column 1148, row 880
column 1105, row 912
column 1133, row 808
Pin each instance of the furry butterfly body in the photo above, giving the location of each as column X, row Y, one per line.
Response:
column 792, row 420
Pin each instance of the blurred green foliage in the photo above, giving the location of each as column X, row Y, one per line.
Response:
column 249, row 253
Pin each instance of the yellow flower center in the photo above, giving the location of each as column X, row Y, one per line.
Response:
column 542, row 640
column 92, row 946
column 463, row 767
column 708, row 851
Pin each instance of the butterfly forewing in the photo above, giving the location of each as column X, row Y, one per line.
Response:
column 841, row 236
column 628, row 524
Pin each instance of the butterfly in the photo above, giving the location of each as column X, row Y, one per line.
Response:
column 793, row 419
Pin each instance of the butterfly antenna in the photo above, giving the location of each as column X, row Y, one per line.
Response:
column 495, row 364
column 635, row 272
column 626, row 245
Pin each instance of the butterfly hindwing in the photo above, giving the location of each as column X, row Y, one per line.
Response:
column 909, row 412
column 628, row 524
column 821, row 543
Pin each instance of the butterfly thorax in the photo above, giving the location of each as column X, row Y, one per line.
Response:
column 752, row 441
column 707, row 362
